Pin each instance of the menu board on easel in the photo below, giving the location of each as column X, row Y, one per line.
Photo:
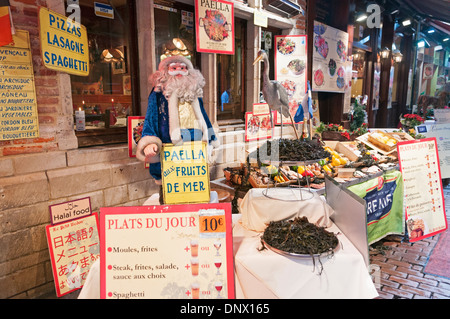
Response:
column 290, row 70
column 166, row 251
column 423, row 193
column 329, row 59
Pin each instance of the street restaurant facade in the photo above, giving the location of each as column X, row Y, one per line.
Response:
column 60, row 161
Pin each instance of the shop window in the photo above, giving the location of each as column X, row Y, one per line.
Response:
column 106, row 95
column 174, row 31
column 230, row 78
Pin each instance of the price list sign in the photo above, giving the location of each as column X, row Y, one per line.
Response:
column 166, row 252
column 423, row 193
column 18, row 108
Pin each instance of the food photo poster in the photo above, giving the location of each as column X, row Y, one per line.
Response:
column 329, row 58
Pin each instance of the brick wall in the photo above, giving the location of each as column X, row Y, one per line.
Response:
column 30, row 183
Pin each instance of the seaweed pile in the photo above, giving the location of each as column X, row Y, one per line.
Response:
column 290, row 150
column 299, row 236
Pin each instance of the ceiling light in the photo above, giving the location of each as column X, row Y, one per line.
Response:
column 446, row 39
column 423, row 43
column 431, row 31
column 406, row 22
column 362, row 17
column 395, row 11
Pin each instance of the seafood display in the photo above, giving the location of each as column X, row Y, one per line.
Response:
column 318, row 77
column 321, row 46
column 299, row 237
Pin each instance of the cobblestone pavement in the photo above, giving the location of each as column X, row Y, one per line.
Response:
column 402, row 264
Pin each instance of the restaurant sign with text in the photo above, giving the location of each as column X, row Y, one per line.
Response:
column 185, row 173
column 64, row 43
column 214, row 26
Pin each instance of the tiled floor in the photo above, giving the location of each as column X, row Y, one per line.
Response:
column 402, row 267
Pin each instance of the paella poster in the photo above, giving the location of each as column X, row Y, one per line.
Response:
column 166, row 252
column 424, row 197
column 258, row 126
column 290, row 70
column 214, row 26
column 329, row 59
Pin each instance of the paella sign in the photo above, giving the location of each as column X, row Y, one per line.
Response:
column 214, row 26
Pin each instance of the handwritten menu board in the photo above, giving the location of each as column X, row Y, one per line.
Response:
column 442, row 134
column 74, row 246
column 166, row 252
column 214, row 26
column 329, row 58
column 290, row 70
column 423, row 194
column 185, row 173
column 18, row 108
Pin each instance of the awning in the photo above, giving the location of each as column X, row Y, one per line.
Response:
column 432, row 9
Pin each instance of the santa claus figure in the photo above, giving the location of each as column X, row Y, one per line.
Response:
column 175, row 112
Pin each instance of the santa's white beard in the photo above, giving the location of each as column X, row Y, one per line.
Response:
column 186, row 86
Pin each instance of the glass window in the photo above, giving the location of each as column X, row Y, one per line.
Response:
column 230, row 78
column 106, row 94
column 174, row 31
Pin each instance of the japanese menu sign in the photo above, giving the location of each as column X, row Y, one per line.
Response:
column 166, row 252
column 18, row 107
column 214, row 26
column 329, row 59
column 185, row 173
column 290, row 69
column 423, row 193
column 74, row 246
column 64, row 43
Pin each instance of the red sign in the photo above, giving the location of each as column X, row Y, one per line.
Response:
column 74, row 246
column 166, row 251
column 423, row 192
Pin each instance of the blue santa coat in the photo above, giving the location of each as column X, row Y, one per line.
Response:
column 157, row 124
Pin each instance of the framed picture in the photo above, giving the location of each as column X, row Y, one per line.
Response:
column 135, row 126
column 120, row 67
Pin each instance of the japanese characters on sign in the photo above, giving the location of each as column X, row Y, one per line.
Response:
column 214, row 26
column 167, row 251
column 64, row 43
column 18, row 107
column 185, row 173
column 74, row 246
column 425, row 210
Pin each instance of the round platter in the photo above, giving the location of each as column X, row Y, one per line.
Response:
column 288, row 254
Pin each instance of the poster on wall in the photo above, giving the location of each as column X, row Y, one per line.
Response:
column 329, row 58
column 258, row 126
column 134, row 128
column 441, row 132
column 18, row 105
column 167, row 252
column 74, row 247
column 424, row 197
column 64, row 43
column 291, row 70
column 214, row 26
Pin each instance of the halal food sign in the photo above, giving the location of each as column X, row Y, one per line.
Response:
column 214, row 26
column 64, row 43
